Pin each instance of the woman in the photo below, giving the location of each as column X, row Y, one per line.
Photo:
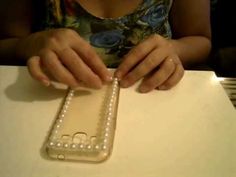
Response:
column 77, row 39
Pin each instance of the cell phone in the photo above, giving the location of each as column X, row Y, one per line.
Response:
column 85, row 127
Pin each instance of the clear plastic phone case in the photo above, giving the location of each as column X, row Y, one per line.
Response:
column 85, row 127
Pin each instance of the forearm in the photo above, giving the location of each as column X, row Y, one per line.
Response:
column 192, row 50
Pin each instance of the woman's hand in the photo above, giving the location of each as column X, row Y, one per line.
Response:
column 65, row 55
column 156, row 60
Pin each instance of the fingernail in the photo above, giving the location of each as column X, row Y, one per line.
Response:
column 46, row 82
column 109, row 78
column 118, row 75
column 124, row 84
column 144, row 89
column 75, row 86
column 99, row 85
column 162, row 87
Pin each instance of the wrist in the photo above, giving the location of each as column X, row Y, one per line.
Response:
column 192, row 49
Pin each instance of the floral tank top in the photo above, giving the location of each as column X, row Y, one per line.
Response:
column 111, row 38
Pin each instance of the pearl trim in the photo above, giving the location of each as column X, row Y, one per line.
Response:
column 108, row 126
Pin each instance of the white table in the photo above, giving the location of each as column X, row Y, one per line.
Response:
column 188, row 131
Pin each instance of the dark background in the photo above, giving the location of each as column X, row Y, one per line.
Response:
column 223, row 56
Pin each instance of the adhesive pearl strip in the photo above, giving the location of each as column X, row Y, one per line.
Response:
column 55, row 141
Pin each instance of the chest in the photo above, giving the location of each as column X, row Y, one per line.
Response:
column 109, row 8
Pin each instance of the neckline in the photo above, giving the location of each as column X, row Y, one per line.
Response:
column 140, row 6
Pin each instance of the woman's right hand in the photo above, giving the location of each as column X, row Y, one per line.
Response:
column 64, row 55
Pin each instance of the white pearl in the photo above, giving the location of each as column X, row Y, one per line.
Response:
column 104, row 147
column 66, row 145
column 97, row 147
column 51, row 144
column 58, row 144
column 67, row 102
column 81, row 146
column 71, row 94
column 73, row 146
column 89, row 147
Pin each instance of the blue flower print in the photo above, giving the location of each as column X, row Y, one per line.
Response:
column 107, row 39
column 148, row 2
column 155, row 16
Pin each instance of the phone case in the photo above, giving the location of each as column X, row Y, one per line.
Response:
column 85, row 127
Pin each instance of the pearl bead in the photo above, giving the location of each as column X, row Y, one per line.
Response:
column 68, row 99
column 58, row 144
column 73, row 146
column 104, row 147
column 71, row 94
column 51, row 144
column 66, row 145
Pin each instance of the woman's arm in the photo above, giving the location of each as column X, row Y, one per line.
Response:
column 61, row 52
column 190, row 21
column 160, row 61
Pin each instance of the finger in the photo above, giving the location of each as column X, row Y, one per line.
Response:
column 173, row 79
column 56, row 69
column 146, row 66
column 137, row 54
column 79, row 69
column 90, row 57
column 36, row 72
column 159, row 77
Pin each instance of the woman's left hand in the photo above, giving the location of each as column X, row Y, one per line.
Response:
column 156, row 60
